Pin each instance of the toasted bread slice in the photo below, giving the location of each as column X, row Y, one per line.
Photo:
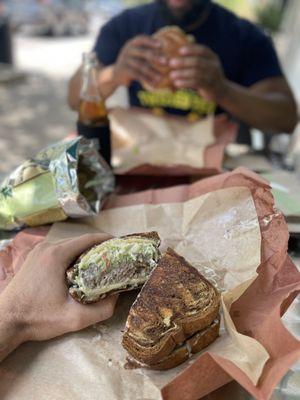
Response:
column 193, row 345
column 113, row 266
column 183, row 352
column 175, row 303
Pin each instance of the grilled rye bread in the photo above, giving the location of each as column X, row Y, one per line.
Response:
column 176, row 305
column 115, row 265
column 192, row 345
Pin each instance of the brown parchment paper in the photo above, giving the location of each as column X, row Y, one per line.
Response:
column 226, row 217
column 257, row 312
column 148, row 144
column 69, row 367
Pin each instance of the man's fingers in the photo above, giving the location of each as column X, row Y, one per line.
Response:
column 190, row 62
column 187, row 62
column 89, row 314
column 139, row 52
column 70, row 249
column 99, row 311
column 196, row 50
column 187, row 84
column 187, row 73
column 190, row 79
column 145, row 41
column 148, row 55
column 142, row 71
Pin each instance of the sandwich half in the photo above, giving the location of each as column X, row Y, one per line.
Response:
column 116, row 265
column 175, row 315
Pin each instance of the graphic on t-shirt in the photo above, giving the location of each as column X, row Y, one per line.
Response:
column 184, row 100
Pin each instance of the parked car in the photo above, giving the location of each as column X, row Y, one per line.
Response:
column 48, row 17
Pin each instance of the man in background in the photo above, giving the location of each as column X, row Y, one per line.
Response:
column 232, row 65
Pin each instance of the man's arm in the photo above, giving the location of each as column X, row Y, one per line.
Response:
column 74, row 88
column 107, row 84
column 36, row 304
column 11, row 331
column 268, row 105
column 136, row 61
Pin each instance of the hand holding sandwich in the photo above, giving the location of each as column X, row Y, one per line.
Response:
column 138, row 60
column 188, row 65
column 36, row 304
column 200, row 69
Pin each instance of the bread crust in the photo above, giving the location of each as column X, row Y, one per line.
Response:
column 78, row 295
column 192, row 345
column 183, row 326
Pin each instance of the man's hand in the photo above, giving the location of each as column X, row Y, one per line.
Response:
column 137, row 61
column 36, row 304
column 199, row 68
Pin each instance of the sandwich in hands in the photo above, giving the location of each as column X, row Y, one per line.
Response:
column 115, row 265
column 171, row 38
column 175, row 315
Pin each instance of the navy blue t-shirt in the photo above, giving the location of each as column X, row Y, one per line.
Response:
column 246, row 53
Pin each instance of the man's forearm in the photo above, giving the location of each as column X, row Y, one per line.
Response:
column 107, row 84
column 11, row 332
column 270, row 112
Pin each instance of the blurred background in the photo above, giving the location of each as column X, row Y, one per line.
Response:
column 41, row 44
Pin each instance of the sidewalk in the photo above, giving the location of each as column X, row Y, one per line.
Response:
column 34, row 111
column 33, row 114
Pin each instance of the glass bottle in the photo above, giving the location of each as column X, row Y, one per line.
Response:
column 93, row 122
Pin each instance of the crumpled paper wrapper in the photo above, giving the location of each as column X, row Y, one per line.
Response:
column 148, row 144
column 257, row 354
